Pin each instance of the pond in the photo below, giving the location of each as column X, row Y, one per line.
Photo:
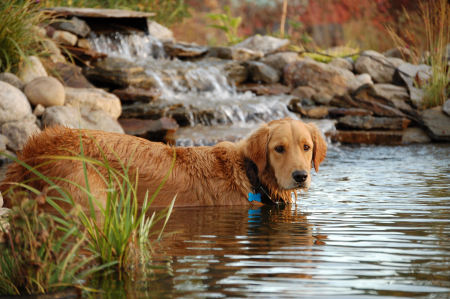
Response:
column 375, row 223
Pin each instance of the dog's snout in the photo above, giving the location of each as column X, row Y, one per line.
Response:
column 300, row 176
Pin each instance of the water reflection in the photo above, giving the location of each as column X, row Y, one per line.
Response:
column 376, row 222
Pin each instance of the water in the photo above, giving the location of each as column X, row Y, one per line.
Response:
column 375, row 224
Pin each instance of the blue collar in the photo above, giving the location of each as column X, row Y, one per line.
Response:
column 254, row 197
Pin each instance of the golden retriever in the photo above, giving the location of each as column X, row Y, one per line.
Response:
column 266, row 167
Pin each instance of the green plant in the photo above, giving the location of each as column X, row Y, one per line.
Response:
column 228, row 24
column 38, row 257
column 117, row 234
column 18, row 38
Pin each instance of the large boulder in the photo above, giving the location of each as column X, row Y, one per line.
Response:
column 94, row 99
column 437, row 123
column 380, row 68
column 31, row 68
column 18, row 132
column 328, row 81
column 83, row 118
column 46, row 91
column 14, row 105
column 264, row 43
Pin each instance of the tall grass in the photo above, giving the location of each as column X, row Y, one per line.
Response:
column 18, row 39
column 434, row 17
column 115, row 235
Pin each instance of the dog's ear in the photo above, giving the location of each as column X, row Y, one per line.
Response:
column 320, row 145
column 255, row 147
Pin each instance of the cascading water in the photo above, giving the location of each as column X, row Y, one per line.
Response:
column 198, row 86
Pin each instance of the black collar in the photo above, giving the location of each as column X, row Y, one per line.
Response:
column 257, row 187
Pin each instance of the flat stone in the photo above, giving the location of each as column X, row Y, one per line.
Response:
column 317, row 112
column 267, row 89
column 437, row 123
column 184, row 50
column 340, row 112
column 352, row 122
column 161, row 130
column 70, row 74
column 363, row 98
column 99, row 13
column 134, row 94
column 264, row 43
column 367, row 137
column 239, row 54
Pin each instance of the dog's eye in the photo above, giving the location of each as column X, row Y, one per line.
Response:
column 279, row 149
column 306, row 147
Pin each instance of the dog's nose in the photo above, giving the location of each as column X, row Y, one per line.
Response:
column 300, row 176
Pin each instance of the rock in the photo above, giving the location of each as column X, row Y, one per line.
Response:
column 83, row 118
column 73, row 25
column 39, row 110
column 159, row 31
column 342, row 63
column 367, row 137
column 12, row 79
column 46, row 91
column 161, row 130
column 395, row 96
column 376, row 65
column 94, row 99
column 446, row 107
column 399, row 52
column 30, row 69
column 14, row 105
column 239, row 54
column 317, row 112
column 303, row 92
column 262, row 73
column 84, row 43
column 134, row 94
column 340, row 112
column 65, row 38
column 19, row 131
column 70, row 74
column 415, row 135
column 268, row 89
column 54, row 51
column 184, row 50
column 279, row 60
column 413, row 76
column 119, row 72
column 363, row 79
column 364, row 98
column 235, row 72
column 352, row 122
column 327, row 81
column 437, row 123
column 264, row 43
column 3, row 142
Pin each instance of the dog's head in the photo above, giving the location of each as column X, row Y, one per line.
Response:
column 284, row 152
